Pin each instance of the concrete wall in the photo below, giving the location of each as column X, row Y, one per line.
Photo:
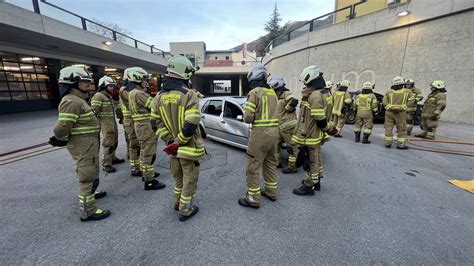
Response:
column 431, row 43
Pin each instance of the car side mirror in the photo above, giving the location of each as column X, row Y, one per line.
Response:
column 240, row 118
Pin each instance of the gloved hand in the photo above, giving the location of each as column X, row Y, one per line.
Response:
column 332, row 131
column 121, row 121
column 53, row 141
column 434, row 118
column 171, row 149
column 395, row 110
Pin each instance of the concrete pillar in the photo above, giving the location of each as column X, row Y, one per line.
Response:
column 241, row 91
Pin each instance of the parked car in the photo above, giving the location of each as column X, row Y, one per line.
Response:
column 222, row 120
column 380, row 118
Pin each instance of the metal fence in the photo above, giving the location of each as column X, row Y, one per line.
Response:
column 337, row 16
column 53, row 11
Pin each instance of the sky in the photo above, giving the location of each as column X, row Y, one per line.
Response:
column 220, row 24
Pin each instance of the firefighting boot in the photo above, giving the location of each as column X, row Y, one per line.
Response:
column 176, row 206
column 290, row 170
column 279, row 166
column 421, row 135
column 118, row 161
column 357, row 136
column 183, row 218
column 402, row 146
column 98, row 215
column 245, row 203
column 154, row 185
column 109, row 169
column 263, row 193
column 100, row 194
column 388, row 145
column 135, row 171
column 365, row 139
column 155, row 175
column 304, row 191
column 338, row 135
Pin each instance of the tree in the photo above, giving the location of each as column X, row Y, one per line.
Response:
column 106, row 32
column 273, row 29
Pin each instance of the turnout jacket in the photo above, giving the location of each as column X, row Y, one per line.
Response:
column 286, row 110
column 176, row 111
column 76, row 117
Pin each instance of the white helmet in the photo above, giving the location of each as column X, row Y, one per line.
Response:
column 136, row 74
column 105, row 81
column 398, row 81
column 73, row 74
column 258, row 72
column 345, row 83
column 277, row 82
column 309, row 74
column 329, row 84
column 368, row 85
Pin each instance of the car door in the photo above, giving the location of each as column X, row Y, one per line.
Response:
column 211, row 118
column 235, row 130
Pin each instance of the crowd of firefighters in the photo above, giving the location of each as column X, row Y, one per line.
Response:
column 173, row 115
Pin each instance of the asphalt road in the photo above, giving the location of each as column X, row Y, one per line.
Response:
column 376, row 206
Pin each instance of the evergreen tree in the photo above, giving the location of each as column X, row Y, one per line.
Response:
column 273, row 29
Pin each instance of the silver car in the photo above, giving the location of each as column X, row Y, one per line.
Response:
column 222, row 120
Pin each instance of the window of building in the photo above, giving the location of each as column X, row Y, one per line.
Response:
column 23, row 77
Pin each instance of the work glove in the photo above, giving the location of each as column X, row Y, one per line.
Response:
column 121, row 121
column 171, row 149
column 434, row 118
column 332, row 131
column 53, row 141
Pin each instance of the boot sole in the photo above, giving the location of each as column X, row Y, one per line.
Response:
column 106, row 215
column 266, row 196
column 307, row 194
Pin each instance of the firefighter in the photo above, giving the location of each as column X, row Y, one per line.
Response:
column 139, row 101
column 103, row 106
column 311, row 126
column 433, row 107
column 411, row 111
column 366, row 106
column 119, row 113
column 328, row 99
column 342, row 101
column 261, row 110
column 177, row 115
column 78, row 129
column 287, row 103
column 396, row 102
column 129, row 127
column 190, row 85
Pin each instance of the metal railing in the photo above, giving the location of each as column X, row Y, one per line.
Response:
column 331, row 18
column 43, row 7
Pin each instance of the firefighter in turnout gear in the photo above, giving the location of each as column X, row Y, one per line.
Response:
column 342, row 100
column 396, row 102
column 433, row 107
column 312, row 124
column 366, row 105
column 78, row 129
column 129, row 127
column 261, row 110
column 410, row 84
column 103, row 106
column 176, row 110
column 328, row 99
column 139, row 101
column 287, row 103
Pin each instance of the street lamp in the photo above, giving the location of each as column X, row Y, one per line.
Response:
column 403, row 13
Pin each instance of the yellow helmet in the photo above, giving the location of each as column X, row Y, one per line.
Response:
column 73, row 74
column 329, row 84
column 439, row 84
column 398, row 81
column 368, row 85
column 345, row 83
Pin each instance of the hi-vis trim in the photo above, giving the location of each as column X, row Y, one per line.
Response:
column 191, row 113
column 308, row 141
column 254, row 191
column 250, row 106
column 87, row 116
column 85, row 130
column 195, row 152
column 68, row 117
column 165, row 118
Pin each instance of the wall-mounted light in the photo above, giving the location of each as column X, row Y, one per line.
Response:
column 110, row 69
column 107, row 43
column 403, row 13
